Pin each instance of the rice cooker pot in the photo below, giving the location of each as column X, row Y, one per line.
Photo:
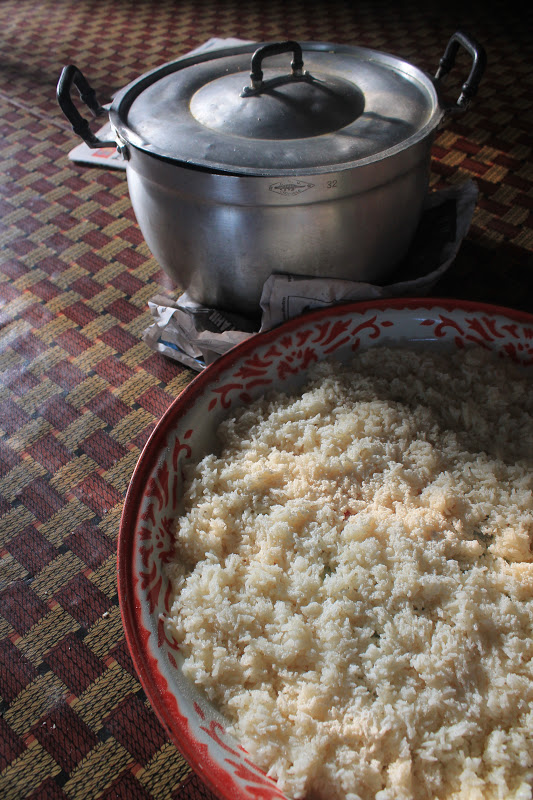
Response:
column 304, row 159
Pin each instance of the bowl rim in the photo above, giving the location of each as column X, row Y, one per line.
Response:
column 202, row 764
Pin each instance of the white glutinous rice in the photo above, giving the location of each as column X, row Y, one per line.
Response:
column 353, row 581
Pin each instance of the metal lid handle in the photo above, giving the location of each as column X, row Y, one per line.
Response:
column 274, row 49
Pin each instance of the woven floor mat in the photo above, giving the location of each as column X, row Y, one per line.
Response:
column 80, row 391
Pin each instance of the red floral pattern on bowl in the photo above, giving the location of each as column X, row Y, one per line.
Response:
column 277, row 359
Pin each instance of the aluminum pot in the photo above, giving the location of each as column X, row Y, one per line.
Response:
column 303, row 159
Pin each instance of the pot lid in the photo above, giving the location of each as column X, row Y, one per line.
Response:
column 255, row 110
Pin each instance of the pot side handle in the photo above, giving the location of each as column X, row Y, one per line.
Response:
column 479, row 62
column 71, row 75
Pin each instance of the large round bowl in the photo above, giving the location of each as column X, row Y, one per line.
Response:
column 278, row 359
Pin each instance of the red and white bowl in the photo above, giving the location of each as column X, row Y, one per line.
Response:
column 278, row 359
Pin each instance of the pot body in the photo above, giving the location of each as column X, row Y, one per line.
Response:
column 319, row 172
column 221, row 236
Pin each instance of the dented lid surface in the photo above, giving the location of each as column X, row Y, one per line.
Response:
column 346, row 106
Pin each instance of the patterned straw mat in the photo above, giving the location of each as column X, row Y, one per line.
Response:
column 80, row 391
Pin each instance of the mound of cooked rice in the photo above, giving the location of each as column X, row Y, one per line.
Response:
column 353, row 583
